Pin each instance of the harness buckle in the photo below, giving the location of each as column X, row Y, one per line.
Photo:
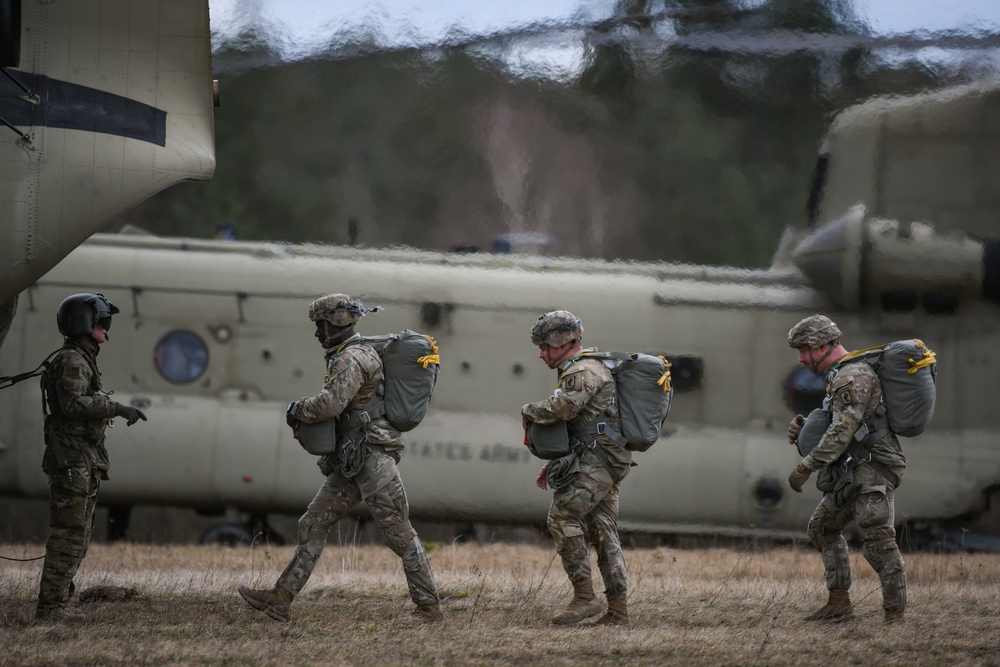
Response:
column 600, row 428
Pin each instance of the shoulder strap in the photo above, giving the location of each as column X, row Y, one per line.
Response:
column 11, row 380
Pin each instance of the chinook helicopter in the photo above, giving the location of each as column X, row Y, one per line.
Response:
column 212, row 341
column 103, row 104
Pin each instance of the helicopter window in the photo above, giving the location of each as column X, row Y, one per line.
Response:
column 803, row 391
column 685, row 371
column 181, row 356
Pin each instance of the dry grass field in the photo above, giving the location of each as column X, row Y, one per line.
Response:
column 690, row 607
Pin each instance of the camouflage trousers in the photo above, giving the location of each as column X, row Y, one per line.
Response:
column 72, row 500
column 380, row 486
column 587, row 510
column 874, row 512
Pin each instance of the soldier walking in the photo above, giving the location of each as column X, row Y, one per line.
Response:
column 584, row 508
column 77, row 413
column 854, row 400
column 362, row 467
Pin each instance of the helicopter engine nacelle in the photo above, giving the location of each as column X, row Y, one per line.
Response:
column 857, row 261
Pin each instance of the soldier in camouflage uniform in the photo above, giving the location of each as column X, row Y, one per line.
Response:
column 75, row 459
column 363, row 466
column 585, row 510
column 854, row 398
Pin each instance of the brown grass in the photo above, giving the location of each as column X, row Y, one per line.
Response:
column 690, row 607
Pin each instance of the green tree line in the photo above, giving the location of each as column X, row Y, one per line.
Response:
column 660, row 149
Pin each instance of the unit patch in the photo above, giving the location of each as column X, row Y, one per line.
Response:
column 845, row 396
column 569, row 383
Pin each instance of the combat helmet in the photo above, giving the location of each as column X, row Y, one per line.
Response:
column 814, row 331
column 556, row 328
column 338, row 309
column 79, row 314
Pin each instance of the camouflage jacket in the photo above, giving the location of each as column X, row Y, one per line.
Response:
column 77, row 410
column 354, row 376
column 585, row 388
column 854, row 392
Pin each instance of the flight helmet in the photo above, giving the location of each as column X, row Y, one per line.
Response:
column 80, row 313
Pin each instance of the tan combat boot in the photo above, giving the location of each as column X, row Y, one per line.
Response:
column 430, row 613
column 584, row 605
column 617, row 612
column 275, row 602
column 838, row 608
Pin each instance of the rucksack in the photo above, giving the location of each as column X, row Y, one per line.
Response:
column 643, row 394
column 410, row 365
column 907, row 370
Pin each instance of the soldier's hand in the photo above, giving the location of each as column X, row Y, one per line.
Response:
column 131, row 415
column 798, row 478
column 540, row 481
column 794, row 427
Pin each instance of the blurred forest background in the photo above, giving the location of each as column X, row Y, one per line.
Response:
column 690, row 133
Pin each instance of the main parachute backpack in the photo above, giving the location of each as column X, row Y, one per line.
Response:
column 908, row 372
column 643, row 394
column 410, row 364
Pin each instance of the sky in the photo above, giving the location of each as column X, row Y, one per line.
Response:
column 307, row 26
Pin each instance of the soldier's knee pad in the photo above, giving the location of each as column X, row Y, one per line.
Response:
column 398, row 536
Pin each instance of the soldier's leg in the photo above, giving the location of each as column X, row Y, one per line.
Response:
column 69, row 491
column 604, row 536
column 610, row 559
column 826, row 530
column 334, row 500
column 391, row 510
column 567, row 523
column 878, row 535
column 90, row 507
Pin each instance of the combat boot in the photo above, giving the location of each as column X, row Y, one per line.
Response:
column 430, row 613
column 617, row 613
column 838, row 608
column 275, row 602
column 584, row 605
column 895, row 616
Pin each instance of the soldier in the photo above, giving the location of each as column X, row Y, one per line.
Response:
column 586, row 505
column 870, row 476
column 362, row 467
column 75, row 459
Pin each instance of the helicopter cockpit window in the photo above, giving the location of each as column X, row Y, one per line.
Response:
column 181, row 356
column 803, row 391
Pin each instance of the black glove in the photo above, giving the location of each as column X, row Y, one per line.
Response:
column 131, row 415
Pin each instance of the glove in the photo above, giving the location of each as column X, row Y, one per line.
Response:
column 131, row 415
column 540, row 480
column 798, row 478
column 289, row 419
column 794, row 427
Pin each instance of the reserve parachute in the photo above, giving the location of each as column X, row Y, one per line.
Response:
column 642, row 392
column 410, row 364
column 907, row 370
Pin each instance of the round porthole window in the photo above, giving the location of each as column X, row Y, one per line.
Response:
column 181, row 356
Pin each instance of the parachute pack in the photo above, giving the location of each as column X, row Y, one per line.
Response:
column 643, row 394
column 410, row 365
column 908, row 372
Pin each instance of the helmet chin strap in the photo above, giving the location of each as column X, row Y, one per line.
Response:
column 815, row 364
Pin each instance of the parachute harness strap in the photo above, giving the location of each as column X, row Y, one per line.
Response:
column 664, row 380
column 434, row 357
